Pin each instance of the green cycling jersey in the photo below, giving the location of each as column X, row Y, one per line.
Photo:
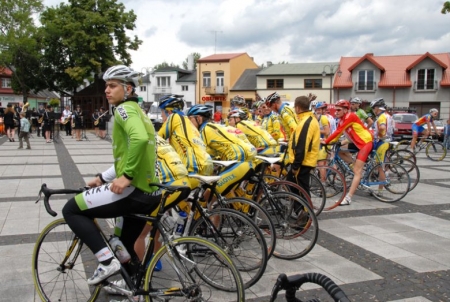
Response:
column 134, row 146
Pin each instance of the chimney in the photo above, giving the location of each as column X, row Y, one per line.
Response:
column 190, row 62
column 269, row 63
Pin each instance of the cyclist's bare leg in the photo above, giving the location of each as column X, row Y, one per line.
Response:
column 357, row 169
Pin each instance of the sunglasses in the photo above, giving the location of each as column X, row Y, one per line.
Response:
column 339, row 110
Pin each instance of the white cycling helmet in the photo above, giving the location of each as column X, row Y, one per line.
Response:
column 355, row 100
column 122, row 73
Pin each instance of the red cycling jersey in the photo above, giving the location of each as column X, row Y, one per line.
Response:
column 354, row 130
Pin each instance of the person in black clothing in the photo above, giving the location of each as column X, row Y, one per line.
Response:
column 47, row 124
column 41, row 112
column 102, row 123
column 78, row 120
column 9, row 122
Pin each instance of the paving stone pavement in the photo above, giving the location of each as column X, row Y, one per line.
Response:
column 373, row 251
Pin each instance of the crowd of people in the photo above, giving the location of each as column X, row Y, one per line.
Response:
column 188, row 142
column 44, row 120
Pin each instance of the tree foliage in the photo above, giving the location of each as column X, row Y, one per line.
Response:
column 165, row 65
column 446, row 7
column 82, row 38
column 196, row 56
column 19, row 49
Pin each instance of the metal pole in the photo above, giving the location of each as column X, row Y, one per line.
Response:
column 331, row 84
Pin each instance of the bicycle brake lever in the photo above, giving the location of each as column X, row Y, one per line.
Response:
column 39, row 196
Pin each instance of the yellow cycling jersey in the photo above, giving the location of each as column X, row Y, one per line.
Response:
column 381, row 120
column 186, row 141
column 170, row 165
column 305, row 151
column 259, row 137
column 288, row 120
column 323, row 122
column 223, row 142
column 271, row 123
column 249, row 114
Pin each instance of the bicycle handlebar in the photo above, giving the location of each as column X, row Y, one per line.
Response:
column 292, row 283
column 49, row 192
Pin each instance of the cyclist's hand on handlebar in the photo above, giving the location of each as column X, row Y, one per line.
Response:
column 95, row 182
column 119, row 184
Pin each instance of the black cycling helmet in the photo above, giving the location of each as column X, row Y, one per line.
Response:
column 171, row 101
column 202, row 110
column 272, row 98
column 378, row 103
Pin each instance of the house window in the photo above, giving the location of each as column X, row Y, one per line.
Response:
column 276, row 83
column 184, row 87
column 163, row 81
column 425, row 79
column 313, row 83
column 206, row 79
column 365, row 80
column 143, row 88
column 219, row 78
column 6, row 83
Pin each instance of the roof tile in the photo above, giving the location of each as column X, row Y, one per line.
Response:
column 220, row 57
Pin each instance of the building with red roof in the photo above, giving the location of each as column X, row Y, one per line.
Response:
column 421, row 81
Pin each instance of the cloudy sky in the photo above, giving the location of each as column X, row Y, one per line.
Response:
column 285, row 30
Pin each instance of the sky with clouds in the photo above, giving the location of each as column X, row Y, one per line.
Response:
column 285, row 30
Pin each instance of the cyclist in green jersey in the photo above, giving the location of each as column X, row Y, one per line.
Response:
column 355, row 103
column 128, row 192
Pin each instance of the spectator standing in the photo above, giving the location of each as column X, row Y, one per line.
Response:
column 9, row 122
column 24, row 131
column 447, row 135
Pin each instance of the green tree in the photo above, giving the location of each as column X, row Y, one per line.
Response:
column 19, row 50
column 196, row 55
column 165, row 65
column 82, row 38
column 446, row 7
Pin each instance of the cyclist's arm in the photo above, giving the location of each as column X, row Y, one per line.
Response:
column 369, row 122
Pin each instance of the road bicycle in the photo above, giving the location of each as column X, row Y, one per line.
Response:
column 233, row 231
column 194, row 269
column 386, row 181
column 296, row 224
column 293, row 283
column 434, row 149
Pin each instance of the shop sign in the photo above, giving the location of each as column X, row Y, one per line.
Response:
column 214, row 98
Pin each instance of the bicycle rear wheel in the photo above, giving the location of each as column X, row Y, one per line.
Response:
column 402, row 154
column 194, row 274
column 436, row 151
column 61, row 265
column 393, row 180
column 259, row 216
column 239, row 237
column 295, row 223
column 412, row 169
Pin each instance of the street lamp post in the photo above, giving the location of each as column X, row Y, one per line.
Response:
column 332, row 69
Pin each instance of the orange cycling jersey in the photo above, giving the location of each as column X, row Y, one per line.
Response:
column 424, row 119
column 354, row 130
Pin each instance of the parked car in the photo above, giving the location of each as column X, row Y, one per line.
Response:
column 440, row 124
column 403, row 125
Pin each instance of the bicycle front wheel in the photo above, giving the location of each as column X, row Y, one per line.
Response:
column 388, row 182
column 241, row 239
column 436, row 151
column 61, row 265
column 295, row 222
column 193, row 270
column 334, row 185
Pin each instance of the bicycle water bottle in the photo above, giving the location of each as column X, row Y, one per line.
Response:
column 169, row 223
column 180, row 223
column 119, row 249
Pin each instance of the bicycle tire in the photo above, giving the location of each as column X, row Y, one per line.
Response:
column 403, row 144
column 412, row 169
column 297, row 232
column 259, row 216
column 203, row 264
column 436, row 151
column 397, row 182
column 52, row 280
column 314, row 200
column 395, row 155
column 241, row 239
column 334, row 185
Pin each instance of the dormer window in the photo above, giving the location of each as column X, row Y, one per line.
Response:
column 366, row 80
column 425, row 79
